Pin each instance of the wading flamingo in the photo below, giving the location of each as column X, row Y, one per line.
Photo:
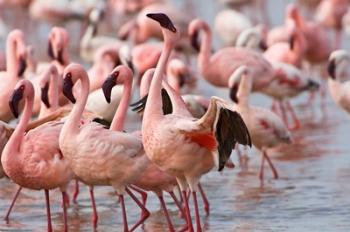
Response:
column 217, row 68
column 183, row 146
column 266, row 128
column 99, row 156
column 16, row 53
column 33, row 160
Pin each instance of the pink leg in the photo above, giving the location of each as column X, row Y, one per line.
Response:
column 198, row 221
column 143, row 196
column 125, row 220
column 166, row 213
column 49, row 224
column 180, row 194
column 178, row 204
column 274, row 171
column 261, row 174
column 76, row 192
column 12, row 204
column 189, row 225
column 205, row 200
column 294, row 116
column 94, row 215
column 64, row 200
column 145, row 212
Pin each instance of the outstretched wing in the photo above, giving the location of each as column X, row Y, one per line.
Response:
column 140, row 105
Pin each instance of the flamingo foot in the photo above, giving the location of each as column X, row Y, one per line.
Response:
column 229, row 164
column 6, row 218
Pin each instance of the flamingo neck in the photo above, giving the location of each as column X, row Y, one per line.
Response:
column 73, row 122
column 205, row 50
column 154, row 102
column 120, row 114
column 173, row 80
column 16, row 138
column 11, row 60
column 244, row 89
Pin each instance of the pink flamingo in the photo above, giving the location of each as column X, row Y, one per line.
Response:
column 15, row 67
column 266, row 128
column 292, row 52
column 33, row 160
column 289, row 82
column 152, row 178
column 217, row 68
column 330, row 13
column 181, row 145
column 96, row 155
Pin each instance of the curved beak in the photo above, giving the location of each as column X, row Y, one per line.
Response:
column 45, row 95
column 50, row 50
column 68, row 89
column 291, row 42
column 16, row 97
column 195, row 41
column 59, row 57
column 22, row 66
column 331, row 68
column 108, row 85
column 163, row 20
column 233, row 93
column 263, row 45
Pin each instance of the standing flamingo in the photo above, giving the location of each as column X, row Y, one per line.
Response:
column 217, row 68
column 33, row 160
column 179, row 144
column 96, row 155
column 15, row 67
column 266, row 128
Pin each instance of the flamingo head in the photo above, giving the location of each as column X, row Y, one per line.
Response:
column 235, row 80
column 170, row 33
column 58, row 40
column 337, row 63
column 72, row 73
column 23, row 89
column 120, row 75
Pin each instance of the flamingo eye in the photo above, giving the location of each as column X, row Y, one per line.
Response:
column 264, row 124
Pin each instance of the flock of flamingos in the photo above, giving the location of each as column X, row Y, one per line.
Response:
column 71, row 116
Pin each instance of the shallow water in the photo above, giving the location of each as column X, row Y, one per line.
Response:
column 312, row 193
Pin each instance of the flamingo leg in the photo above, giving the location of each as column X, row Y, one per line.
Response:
column 284, row 114
column 205, row 199
column 49, row 223
column 178, row 204
column 143, row 196
column 145, row 212
column 64, row 200
column 273, row 169
column 189, row 225
column 94, row 215
column 125, row 220
column 12, row 204
column 198, row 221
column 261, row 174
column 294, row 116
column 76, row 192
column 166, row 213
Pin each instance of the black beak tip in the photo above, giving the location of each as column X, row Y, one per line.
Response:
column 233, row 94
column 108, row 85
column 45, row 96
column 68, row 89
column 194, row 41
column 22, row 66
column 163, row 20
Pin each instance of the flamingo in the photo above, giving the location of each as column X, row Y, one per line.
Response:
column 217, row 68
column 15, row 67
column 289, row 83
column 180, row 145
column 96, row 155
column 152, row 178
column 266, row 128
column 337, row 82
column 33, row 160
column 252, row 38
